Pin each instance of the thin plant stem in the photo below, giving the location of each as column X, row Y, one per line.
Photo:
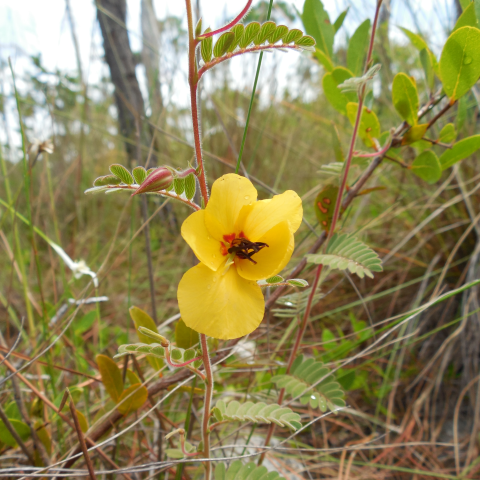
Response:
column 252, row 98
column 336, row 215
column 193, row 82
column 207, row 406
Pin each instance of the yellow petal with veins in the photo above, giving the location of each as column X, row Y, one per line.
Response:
column 220, row 306
column 272, row 259
column 205, row 247
column 229, row 194
column 257, row 219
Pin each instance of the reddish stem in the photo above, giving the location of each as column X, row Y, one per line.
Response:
column 336, row 214
column 256, row 48
column 229, row 25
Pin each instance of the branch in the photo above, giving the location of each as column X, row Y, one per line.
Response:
column 229, row 25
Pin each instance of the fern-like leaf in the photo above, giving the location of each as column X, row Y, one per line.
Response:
column 257, row 413
column 347, row 252
column 244, row 471
column 327, row 395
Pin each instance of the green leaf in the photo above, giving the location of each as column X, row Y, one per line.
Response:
column 107, row 180
column 324, row 60
column 476, row 4
column 306, row 43
column 317, row 24
column 461, row 150
column 220, row 471
column 337, row 99
column 467, row 19
column 85, row 323
column 417, row 41
column 12, row 411
column 143, row 319
column 111, row 376
column 21, row 428
column 414, row 134
column 405, row 98
column 325, row 205
column 139, row 174
column 427, row 64
column 339, row 21
column 447, row 134
column 337, row 148
column 221, row 47
column 82, row 421
column 369, row 128
column 251, row 31
column 259, row 413
column 238, row 30
column 297, row 282
column 347, row 252
column 179, row 185
column 334, row 95
column 266, row 31
column 190, row 186
column 122, row 173
column 132, row 399
column 292, row 36
column 427, row 167
column 185, row 337
column 306, row 372
column 277, row 34
column 132, row 377
column 206, row 47
column 460, row 62
column 175, row 453
column 357, row 48
column 275, row 279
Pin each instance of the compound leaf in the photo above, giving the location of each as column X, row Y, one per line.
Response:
column 347, row 252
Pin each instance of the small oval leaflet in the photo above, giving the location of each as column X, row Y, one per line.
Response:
column 122, row 173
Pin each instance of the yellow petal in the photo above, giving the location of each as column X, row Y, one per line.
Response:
column 272, row 259
column 229, row 194
column 220, row 306
column 257, row 219
column 205, row 247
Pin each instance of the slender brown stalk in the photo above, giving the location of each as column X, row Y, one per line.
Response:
column 81, row 440
column 207, row 406
column 336, row 215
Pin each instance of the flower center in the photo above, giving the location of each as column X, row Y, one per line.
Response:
column 241, row 247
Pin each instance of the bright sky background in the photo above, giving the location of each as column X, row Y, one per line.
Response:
column 30, row 27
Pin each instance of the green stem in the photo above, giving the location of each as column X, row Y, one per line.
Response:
column 252, row 98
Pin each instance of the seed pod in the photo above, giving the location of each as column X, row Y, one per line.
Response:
column 160, row 179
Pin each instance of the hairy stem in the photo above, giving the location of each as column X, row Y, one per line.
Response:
column 193, row 81
column 207, row 404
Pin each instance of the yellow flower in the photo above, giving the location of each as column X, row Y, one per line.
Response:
column 238, row 241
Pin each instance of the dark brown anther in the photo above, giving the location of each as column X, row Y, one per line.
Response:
column 245, row 249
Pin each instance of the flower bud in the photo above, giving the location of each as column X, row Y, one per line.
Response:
column 160, row 179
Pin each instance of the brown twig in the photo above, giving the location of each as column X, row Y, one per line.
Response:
column 81, row 438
